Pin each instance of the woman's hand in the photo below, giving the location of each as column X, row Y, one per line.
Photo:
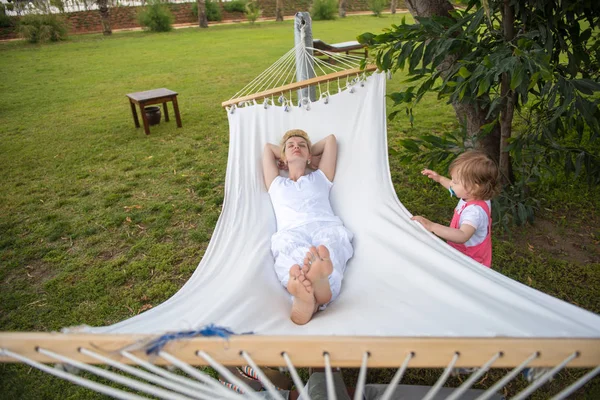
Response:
column 314, row 161
column 282, row 165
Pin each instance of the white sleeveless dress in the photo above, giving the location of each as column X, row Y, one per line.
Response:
column 304, row 219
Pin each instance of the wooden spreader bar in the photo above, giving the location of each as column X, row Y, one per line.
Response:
column 305, row 351
column 299, row 85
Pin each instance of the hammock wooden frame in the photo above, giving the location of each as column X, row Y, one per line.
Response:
column 299, row 85
column 308, row 351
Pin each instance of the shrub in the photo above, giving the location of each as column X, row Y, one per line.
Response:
column 235, row 5
column 213, row 12
column 5, row 20
column 377, row 6
column 156, row 17
column 253, row 11
column 324, row 9
column 42, row 27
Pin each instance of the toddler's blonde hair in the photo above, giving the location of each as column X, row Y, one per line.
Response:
column 294, row 133
column 478, row 173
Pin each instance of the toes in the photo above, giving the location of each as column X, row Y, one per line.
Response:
column 305, row 282
column 295, row 271
column 323, row 253
column 312, row 255
column 307, row 265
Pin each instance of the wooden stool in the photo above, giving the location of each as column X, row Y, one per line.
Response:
column 155, row 96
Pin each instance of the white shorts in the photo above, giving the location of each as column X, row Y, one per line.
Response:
column 290, row 246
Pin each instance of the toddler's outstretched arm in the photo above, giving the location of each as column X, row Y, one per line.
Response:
column 442, row 180
column 461, row 235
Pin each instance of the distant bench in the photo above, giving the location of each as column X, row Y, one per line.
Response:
column 344, row 47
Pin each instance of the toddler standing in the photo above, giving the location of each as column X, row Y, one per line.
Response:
column 474, row 179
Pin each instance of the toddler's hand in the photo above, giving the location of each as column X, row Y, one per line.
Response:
column 431, row 175
column 423, row 221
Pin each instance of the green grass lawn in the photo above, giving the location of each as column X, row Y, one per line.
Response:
column 99, row 221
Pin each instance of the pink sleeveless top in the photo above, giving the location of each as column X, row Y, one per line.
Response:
column 482, row 252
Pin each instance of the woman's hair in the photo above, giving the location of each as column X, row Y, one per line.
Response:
column 294, row 133
column 478, row 173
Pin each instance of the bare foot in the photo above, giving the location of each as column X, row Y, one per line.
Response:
column 304, row 305
column 317, row 268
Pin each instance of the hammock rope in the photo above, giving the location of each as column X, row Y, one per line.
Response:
column 229, row 376
column 331, row 395
column 264, row 380
column 443, row 378
column 577, row 384
column 89, row 384
column 123, row 380
column 284, row 72
column 203, row 389
column 295, row 377
column 473, row 378
column 545, row 378
column 504, row 381
column 166, row 383
column 220, row 390
column 389, row 391
column 362, row 377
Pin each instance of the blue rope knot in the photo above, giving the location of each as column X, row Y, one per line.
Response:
column 156, row 345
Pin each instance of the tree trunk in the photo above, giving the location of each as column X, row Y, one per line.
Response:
column 393, row 6
column 508, row 100
column 104, row 17
column 202, row 18
column 470, row 114
column 279, row 10
column 428, row 8
column 342, row 8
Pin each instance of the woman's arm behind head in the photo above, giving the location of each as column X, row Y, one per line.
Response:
column 271, row 156
column 327, row 149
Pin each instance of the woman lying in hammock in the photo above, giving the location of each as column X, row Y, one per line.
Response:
column 308, row 232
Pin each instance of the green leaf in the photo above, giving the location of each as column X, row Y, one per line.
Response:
column 476, row 21
column 462, row 91
column 534, row 79
column 586, row 86
column 393, row 114
column 464, row 72
column 429, row 52
column 410, row 145
column 484, row 85
column 522, row 213
column 415, row 59
column 578, row 161
column 487, row 62
column 585, row 35
column 517, row 77
column 366, row 38
column 487, row 128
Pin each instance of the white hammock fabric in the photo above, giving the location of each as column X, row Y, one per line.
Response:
column 402, row 280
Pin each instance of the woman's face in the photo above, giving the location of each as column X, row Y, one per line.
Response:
column 296, row 149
